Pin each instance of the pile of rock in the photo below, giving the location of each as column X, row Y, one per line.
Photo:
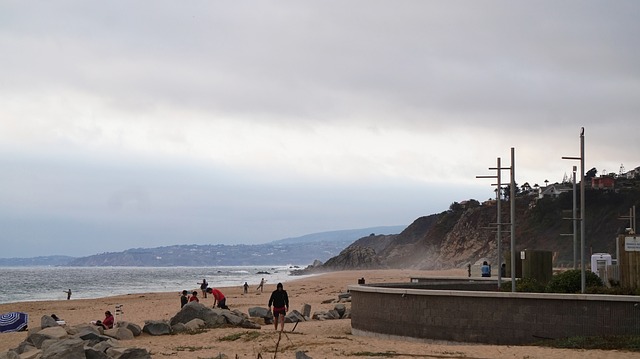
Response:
column 55, row 341
column 339, row 311
column 342, row 297
column 194, row 316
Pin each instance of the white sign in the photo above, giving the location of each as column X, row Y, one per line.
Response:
column 632, row 244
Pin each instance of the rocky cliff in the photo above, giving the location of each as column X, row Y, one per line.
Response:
column 462, row 234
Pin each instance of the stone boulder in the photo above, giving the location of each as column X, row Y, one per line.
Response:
column 128, row 353
column 249, row 324
column 306, row 311
column 120, row 333
column 134, row 328
column 334, row 314
column 157, row 327
column 82, row 341
column 260, row 312
column 93, row 353
column 180, row 328
column 47, row 321
column 293, row 317
column 193, row 310
column 232, row 319
column 194, row 324
column 212, row 318
column 347, row 314
column 302, row 355
column 32, row 354
column 37, row 338
column 65, row 349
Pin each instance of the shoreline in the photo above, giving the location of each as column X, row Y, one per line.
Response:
column 98, row 282
column 319, row 339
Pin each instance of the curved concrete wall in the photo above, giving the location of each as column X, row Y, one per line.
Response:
column 488, row 317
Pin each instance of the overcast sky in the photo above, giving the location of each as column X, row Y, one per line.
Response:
column 151, row 123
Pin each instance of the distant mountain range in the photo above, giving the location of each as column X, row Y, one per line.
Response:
column 302, row 251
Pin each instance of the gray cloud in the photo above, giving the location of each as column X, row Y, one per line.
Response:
column 157, row 123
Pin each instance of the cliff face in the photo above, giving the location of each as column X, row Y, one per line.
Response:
column 462, row 235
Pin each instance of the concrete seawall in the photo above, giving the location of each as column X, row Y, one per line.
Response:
column 481, row 316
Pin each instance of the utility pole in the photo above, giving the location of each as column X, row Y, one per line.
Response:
column 582, row 214
column 499, row 215
column 512, row 199
column 574, row 219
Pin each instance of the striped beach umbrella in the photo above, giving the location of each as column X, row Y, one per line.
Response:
column 13, row 322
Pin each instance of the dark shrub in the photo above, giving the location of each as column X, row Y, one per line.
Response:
column 570, row 282
column 528, row 285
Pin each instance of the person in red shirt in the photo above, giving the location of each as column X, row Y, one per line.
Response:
column 194, row 297
column 108, row 321
column 218, row 297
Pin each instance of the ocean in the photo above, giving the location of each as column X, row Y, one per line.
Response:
column 19, row 284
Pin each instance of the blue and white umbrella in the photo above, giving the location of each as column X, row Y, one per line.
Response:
column 13, row 322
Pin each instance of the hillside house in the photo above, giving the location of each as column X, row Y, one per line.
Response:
column 603, row 182
column 634, row 173
column 554, row 190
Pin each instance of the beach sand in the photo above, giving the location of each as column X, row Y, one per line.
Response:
column 319, row 339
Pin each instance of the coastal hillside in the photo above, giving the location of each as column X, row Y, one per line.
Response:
column 289, row 251
column 462, row 234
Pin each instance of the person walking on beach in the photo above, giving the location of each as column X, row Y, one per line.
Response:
column 280, row 301
column 246, row 288
column 218, row 297
column 203, row 286
column 194, row 297
column 261, row 285
column 184, row 299
column 68, row 293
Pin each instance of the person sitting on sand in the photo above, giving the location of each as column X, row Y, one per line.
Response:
column 485, row 269
column 107, row 322
column 280, row 301
column 194, row 297
column 218, row 297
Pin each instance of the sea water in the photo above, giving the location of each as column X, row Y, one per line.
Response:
column 18, row 284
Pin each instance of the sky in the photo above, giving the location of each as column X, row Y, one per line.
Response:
column 154, row 123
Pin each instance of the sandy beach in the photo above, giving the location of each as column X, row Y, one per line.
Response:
column 319, row 339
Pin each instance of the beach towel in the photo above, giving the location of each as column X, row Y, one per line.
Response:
column 13, row 322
